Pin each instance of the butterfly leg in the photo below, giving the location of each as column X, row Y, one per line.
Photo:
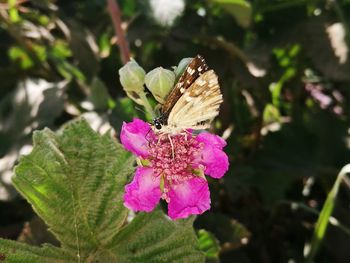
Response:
column 172, row 146
column 147, row 139
column 159, row 138
column 185, row 133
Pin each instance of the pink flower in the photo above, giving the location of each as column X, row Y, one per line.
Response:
column 172, row 170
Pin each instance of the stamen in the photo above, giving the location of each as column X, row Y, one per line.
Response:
column 172, row 146
column 173, row 158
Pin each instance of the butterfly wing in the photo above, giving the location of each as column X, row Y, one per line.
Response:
column 194, row 69
column 199, row 104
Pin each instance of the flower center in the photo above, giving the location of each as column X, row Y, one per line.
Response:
column 174, row 158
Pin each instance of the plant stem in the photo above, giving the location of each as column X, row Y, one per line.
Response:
column 114, row 12
column 146, row 104
column 325, row 215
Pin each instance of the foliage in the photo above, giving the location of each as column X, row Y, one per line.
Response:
column 325, row 216
column 283, row 67
column 74, row 180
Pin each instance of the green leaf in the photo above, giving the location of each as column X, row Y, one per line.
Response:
column 13, row 11
column 75, row 179
column 105, row 44
column 40, row 52
column 18, row 54
column 323, row 220
column 332, row 220
column 60, row 49
column 12, row 251
column 209, row 245
column 68, row 70
column 241, row 10
column 155, row 238
column 225, row 229
column 75, row 182
column 98, row 96
column 271, row 114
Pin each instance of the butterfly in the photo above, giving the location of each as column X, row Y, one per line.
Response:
column 194, row 101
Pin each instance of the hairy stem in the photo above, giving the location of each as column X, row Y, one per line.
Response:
column 114, row 12
column 146, row 104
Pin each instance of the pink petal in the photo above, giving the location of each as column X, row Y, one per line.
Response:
column 211, row 139
column 134, row 137
column 215, row 162
column 213, row 157
column 189, row 198
column 143, row 193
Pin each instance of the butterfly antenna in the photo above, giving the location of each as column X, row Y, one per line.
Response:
column 146, row 136
column 149, row 122
column 141, row 110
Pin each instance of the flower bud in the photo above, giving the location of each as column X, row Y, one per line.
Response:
column 181, row 67
column 160, row 81
column 132, row 78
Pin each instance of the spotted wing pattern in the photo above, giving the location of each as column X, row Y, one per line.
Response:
column 194, row 69
column 198, row 105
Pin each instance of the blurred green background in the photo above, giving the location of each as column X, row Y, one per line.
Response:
column 284, row 71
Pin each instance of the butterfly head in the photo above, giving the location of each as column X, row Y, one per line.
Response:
column 157, row 124
column 160, row 122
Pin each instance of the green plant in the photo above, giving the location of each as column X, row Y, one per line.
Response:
column 74, row 179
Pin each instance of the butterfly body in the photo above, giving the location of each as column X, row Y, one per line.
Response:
column 194, row 101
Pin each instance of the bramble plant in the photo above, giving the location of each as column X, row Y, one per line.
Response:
column 171, row 166
column 283, row 68
column 177, row 178
column 75, row 180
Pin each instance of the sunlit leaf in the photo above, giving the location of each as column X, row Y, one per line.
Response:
column 57, row 176
column 17, row 252
column 40, row 52
column 209, row 245
column 105, row 45
column 155, row 238
column 13, row 12
column 61, row 49
column 311, row 250
column 271, row 114
column 74, row 179
column 17, row 53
